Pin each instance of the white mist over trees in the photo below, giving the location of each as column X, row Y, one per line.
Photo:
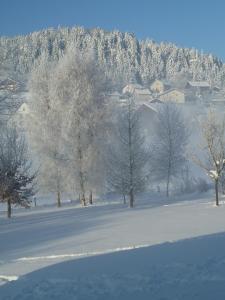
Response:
column 168, row 154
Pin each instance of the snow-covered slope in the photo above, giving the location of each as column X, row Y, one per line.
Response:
column 120, row 53
column 89, row 253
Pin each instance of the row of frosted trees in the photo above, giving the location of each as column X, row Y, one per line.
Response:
column 81, row 141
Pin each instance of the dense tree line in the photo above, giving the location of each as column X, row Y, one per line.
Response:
column 121, row 54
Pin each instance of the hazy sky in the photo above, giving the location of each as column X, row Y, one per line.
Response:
column 189, row 23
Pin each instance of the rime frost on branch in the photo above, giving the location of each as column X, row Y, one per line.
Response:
column 213, row 174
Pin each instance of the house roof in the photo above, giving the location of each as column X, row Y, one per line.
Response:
column 23, row 109
column 218, row 100
column 143, row 92
column 216, row 88
column 130, row 88
column 156, row 100
column 147, row 106
column 136, row 85
column 170, row 90
column 114, row 94
column 199, row 83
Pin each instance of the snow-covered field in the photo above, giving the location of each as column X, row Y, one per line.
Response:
column 155, row 251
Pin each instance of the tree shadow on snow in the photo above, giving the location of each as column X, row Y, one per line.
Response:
column 187, row 269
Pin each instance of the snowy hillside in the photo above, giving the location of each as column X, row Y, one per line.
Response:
column 158, row 250
column 124, row 57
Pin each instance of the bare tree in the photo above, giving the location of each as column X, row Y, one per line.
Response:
column 16, row 177
column 128, row 156
column 168, row 149
column 213, row 150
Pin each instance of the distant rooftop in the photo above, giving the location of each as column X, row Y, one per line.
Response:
column 199, row 83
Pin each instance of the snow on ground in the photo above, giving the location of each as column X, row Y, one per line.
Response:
column 154, row 251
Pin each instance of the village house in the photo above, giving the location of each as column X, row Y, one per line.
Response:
column 147, row 116
column 219, row 101
column 159, row 86
column 173, row 96
column 143, row 95
column 140, row 93
column 156, row 100
column 23, row 109
column 198, row 87
column 20, row 116
column 9, row 84
column 114, row 96
column 131, row 88
column 147, row 108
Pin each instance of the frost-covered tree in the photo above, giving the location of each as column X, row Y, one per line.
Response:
column 44, row 128
column 127, row 157
column 213, row 150
column 66, row 121
column 16, row 176
column 80, row 90
column 169, row 145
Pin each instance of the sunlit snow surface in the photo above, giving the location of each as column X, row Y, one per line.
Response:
column 158, row 250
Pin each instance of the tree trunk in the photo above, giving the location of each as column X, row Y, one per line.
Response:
column 124, row 199
column 217, row 192
column 131, row 161
column 131, row 198
column 90, row 198
column 168, row 184
column 58, row 199
column 167, row 187
column 9, row 208
column 83, row 200
column 81, row 173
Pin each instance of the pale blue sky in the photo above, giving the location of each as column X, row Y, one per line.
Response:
column 199, row 24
